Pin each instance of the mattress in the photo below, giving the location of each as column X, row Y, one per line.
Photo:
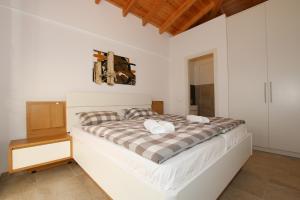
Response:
column 173, row 173
column 235, row 136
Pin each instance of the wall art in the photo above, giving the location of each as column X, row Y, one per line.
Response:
column 113, row 69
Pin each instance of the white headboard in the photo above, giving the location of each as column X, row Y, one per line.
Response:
column 97, row 101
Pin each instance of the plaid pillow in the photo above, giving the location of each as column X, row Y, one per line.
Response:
column 97, row 117
column 138, row 112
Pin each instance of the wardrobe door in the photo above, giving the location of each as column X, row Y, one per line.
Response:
column 248, row 71
column 283, row 33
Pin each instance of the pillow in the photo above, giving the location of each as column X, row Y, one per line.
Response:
column 138, row 112
column 97, row 117
column 121, row 113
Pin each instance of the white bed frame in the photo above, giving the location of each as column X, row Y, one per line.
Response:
column 119, row 184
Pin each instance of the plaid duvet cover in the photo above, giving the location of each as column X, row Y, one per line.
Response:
column 132, row 135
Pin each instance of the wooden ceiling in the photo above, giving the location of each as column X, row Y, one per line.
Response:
column 176, row 16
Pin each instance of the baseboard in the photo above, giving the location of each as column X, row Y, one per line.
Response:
column 276, row 151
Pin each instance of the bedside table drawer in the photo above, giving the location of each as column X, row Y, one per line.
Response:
column 40, row 154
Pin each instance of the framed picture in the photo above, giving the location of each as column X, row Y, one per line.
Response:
column 113, row 69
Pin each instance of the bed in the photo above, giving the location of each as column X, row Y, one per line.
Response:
column 201, row 172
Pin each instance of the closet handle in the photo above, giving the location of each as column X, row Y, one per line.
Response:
column 265, row 92
column 271, row 92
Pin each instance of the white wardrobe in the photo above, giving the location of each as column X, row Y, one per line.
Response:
column 264, row 73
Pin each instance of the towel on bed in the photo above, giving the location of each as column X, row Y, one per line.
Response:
column 195, row 118
column 159, row 127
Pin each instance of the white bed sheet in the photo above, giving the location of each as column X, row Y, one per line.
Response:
column 235, row 136
column 173, row 173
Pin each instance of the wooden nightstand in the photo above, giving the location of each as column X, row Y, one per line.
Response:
column 45, row 118
column 29, row 154
column 47, row 142
column 158, row 106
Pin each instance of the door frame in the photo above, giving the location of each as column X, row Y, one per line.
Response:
column 186, row 71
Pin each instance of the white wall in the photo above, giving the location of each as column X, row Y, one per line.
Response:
column 105, row 20
column 200, row 40
column 46, row 51
column 5, row 62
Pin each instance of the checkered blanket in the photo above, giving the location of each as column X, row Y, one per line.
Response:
column 132, row 135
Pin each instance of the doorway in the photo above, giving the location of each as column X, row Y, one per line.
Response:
column 201, row 84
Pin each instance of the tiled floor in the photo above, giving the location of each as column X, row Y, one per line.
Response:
column 65, row 182
column 264, row 177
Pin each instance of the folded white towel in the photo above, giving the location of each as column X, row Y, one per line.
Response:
column 158, row 127
column 153, row 126
column 195, row 118
column 168, row 126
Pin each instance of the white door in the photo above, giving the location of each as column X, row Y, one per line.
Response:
column 248, row 71
column 283, row 29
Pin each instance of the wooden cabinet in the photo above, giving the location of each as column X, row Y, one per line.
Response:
column 264, row 84
column 32, row 153
column 158, row 106
column 45, row 118
column 47, row 142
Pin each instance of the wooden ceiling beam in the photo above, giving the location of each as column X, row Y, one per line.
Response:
column 217, row 8
column 214, row 12
column 127, row 8
column 151, row 12
column 97, row 1
column 206, row 9
column 175, row 15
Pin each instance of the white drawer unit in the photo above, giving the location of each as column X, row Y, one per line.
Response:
column 29, row 154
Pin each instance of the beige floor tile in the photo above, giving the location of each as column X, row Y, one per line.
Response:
column 10, row 196
column 74, row 195
column 265, row 176
column 44, row 192
column 232, row 193
column 58, row 186
column 295, row 167
column 276, row 161
column 76, row 169
column 277, row 192
column 95, row 193
column 258, row 170
column 17, row 183
column 92, row 187
column 249, row 182
column 38, row 194
column 54, row 174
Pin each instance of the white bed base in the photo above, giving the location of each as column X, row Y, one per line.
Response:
column 121, row 185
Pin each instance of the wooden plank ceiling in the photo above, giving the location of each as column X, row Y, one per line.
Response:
column 176, row 16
